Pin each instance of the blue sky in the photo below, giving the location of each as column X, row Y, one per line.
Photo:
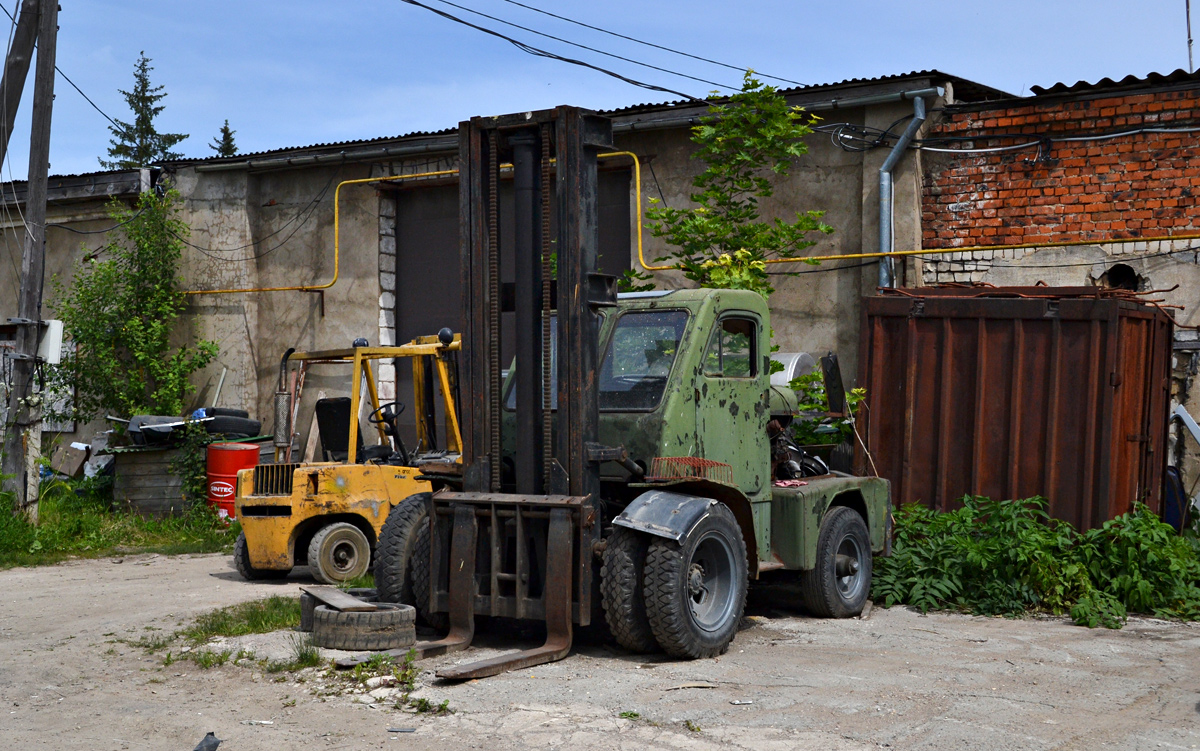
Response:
column 297, row 73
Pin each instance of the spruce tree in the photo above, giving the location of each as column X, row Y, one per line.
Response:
column 138, row 144
column 223, row 144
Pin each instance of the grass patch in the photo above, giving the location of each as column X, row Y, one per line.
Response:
column 366, row 581
column 77, row 520
column 1010, row 558
column 629, row 715
column 256, row 617
column 304, row 655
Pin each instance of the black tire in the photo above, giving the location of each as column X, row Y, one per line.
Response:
column 389, row 627
column 233, row 426
column 826, row 594
column 366, row 594
column 308, row 604
column 622, row 590
column 402, row 558
column 241, row 559
column 225, row 412
column 696, row 588
column 339, row 552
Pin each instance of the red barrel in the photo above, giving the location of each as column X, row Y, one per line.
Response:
column 224, row 461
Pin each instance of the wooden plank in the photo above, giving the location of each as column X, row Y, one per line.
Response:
column 339, row 600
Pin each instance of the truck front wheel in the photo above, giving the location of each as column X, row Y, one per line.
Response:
column 696, row 588
column 839, row 585
column 241, row 559
column 622, row 590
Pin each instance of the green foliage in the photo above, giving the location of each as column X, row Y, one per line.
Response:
column 139, row 144
column 76, row 519
column 1010, row 557
column 223, row 144
column 121, row 313
column 811, row 396
column 745, row 144
column 632, row 280
column 191, row 464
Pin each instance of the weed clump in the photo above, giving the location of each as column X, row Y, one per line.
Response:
column 1010, row 558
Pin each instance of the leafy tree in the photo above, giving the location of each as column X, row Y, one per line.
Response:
column 223, row 144
column 139, row 144
column 121, row 313
column 746, row 143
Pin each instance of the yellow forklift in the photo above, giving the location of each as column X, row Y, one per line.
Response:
column 326, row 512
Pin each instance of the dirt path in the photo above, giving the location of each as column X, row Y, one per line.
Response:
column 895, row 680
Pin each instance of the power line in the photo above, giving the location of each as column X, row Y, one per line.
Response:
column 66, row 78
column 738, row 68
column 537, row 52
column 585, row 47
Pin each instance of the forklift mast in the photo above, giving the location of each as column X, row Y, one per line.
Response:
column 548, row 150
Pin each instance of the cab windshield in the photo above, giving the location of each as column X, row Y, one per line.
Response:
column 640, row 354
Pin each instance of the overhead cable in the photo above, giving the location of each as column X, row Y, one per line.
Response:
column 585, row 47
column 537, row 52
column 67, row 78
column 739, row 68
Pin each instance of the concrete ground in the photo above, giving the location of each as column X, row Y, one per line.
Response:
column 894, row 680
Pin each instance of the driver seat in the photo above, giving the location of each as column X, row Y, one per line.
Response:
column 333, row 425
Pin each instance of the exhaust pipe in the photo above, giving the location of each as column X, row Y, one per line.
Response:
column 283, row 411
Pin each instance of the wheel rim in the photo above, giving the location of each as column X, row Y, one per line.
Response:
column 343, row 556
column 710, row 586
column 848, row 569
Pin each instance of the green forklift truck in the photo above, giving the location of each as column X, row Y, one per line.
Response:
column 631, row 467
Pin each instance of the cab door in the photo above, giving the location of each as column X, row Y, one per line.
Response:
column 731, row 402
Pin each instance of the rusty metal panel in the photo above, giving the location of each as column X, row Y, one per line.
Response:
column 1015, row 392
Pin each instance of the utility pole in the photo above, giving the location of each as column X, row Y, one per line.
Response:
column 16, row 70
column 23, row 435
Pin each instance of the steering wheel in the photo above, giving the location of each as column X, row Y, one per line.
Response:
column 387, row 417
column 385, row 413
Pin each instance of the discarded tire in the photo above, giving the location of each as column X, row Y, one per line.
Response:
column 389, row 627
column 308, row 604
column 366, row 594
column 225, row 412
column 226, row 425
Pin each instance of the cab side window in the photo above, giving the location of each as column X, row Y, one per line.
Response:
column 731, row 350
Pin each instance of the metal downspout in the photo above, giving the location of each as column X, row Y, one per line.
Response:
column 887, row 264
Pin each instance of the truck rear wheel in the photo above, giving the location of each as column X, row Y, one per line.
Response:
column 402, row 558
column 339, row 552
column 241, row 559
column 622, row 590
column 839, row 585
column 696, row 588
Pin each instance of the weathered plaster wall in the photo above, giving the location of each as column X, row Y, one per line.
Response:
column 275, row 229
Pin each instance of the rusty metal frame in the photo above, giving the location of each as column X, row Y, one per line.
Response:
column 1014, row 392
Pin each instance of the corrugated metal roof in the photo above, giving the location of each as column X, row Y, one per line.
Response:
column 964, row 89
column 1150, row 80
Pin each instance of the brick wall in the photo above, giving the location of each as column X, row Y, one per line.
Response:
column 1138, row 185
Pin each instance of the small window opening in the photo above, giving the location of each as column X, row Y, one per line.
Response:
column 1122, row 276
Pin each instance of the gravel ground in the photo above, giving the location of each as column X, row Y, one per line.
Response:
column 894, row 680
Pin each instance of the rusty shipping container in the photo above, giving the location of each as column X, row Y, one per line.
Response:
column 1015, row 392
